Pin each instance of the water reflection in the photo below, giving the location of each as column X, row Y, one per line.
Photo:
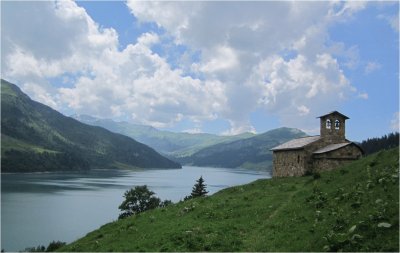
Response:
column 52, row 182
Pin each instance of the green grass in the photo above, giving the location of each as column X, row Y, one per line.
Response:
column 354, row 208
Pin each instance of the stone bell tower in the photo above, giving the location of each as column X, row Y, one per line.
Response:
column 333, row 127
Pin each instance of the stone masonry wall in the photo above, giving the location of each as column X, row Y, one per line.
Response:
column 289, row 163
column 333, row 135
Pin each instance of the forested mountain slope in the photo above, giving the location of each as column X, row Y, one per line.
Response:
column 35, row 137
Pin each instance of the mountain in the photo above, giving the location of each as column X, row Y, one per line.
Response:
column 245, row 150
column 252, row 152
column 169, row 143
column 35, row 137
column 352, row 209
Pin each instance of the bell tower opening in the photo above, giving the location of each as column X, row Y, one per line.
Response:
column 328, row 124
column 332, row 127
column 337, row 124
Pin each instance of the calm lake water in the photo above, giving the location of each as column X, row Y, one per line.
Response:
column 38, row 208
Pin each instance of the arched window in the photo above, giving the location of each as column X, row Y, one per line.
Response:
column 337, row 124
column 328, row 124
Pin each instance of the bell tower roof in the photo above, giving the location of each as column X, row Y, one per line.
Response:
column 334, row 112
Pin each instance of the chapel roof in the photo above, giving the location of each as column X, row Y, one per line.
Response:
column 336, row 146
column 298, row 143
column 331, row 147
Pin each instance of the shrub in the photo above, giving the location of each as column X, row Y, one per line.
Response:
column 54, row 245
column 137, row 200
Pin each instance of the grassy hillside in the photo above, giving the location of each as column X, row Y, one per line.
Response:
column 253, row 152
column 354, row 208
column 170, row 143
column 35, row 137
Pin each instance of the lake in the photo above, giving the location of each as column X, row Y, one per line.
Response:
column 37, row 208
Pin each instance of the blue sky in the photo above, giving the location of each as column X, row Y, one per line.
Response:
column 216, row 67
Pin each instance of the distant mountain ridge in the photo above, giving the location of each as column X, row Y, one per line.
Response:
column 253, row 152
column 35, row 137
column 246, row 150
column 169, row 143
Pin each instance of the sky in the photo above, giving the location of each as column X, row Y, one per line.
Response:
column 215, row 67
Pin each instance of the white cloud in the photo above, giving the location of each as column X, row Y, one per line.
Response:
column 148, row 39
column 142, row 84
column 237, row 40
column 240, row 66
column 41, row 94
column 300, row 88
column 134, row 82
column 171, row 15
column 347, row 9
column 303, row 110
column 371, row 67
column 393, row 21
column 193, row 131
column 44, row 39
column 394, row 123
column 363, row 95
column 351, row 54
column 224, row 59
column 239, row 127
column 22, row 63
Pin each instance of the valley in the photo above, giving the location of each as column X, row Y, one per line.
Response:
column 238, row 151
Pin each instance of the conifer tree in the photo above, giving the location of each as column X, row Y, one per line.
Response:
column 199, row 189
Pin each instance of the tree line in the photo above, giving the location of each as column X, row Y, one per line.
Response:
column 372, row 145
column 53, row 246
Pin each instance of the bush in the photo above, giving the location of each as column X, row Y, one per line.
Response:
column 54, row 245
column 137, row 200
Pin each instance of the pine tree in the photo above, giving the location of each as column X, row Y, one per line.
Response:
column 199, row 189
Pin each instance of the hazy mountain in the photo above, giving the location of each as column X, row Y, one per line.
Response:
column 252, row 152
column 170, row 143
column 246, row 150
column 35, row 137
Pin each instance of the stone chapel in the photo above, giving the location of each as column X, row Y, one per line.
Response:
column 323, row 152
